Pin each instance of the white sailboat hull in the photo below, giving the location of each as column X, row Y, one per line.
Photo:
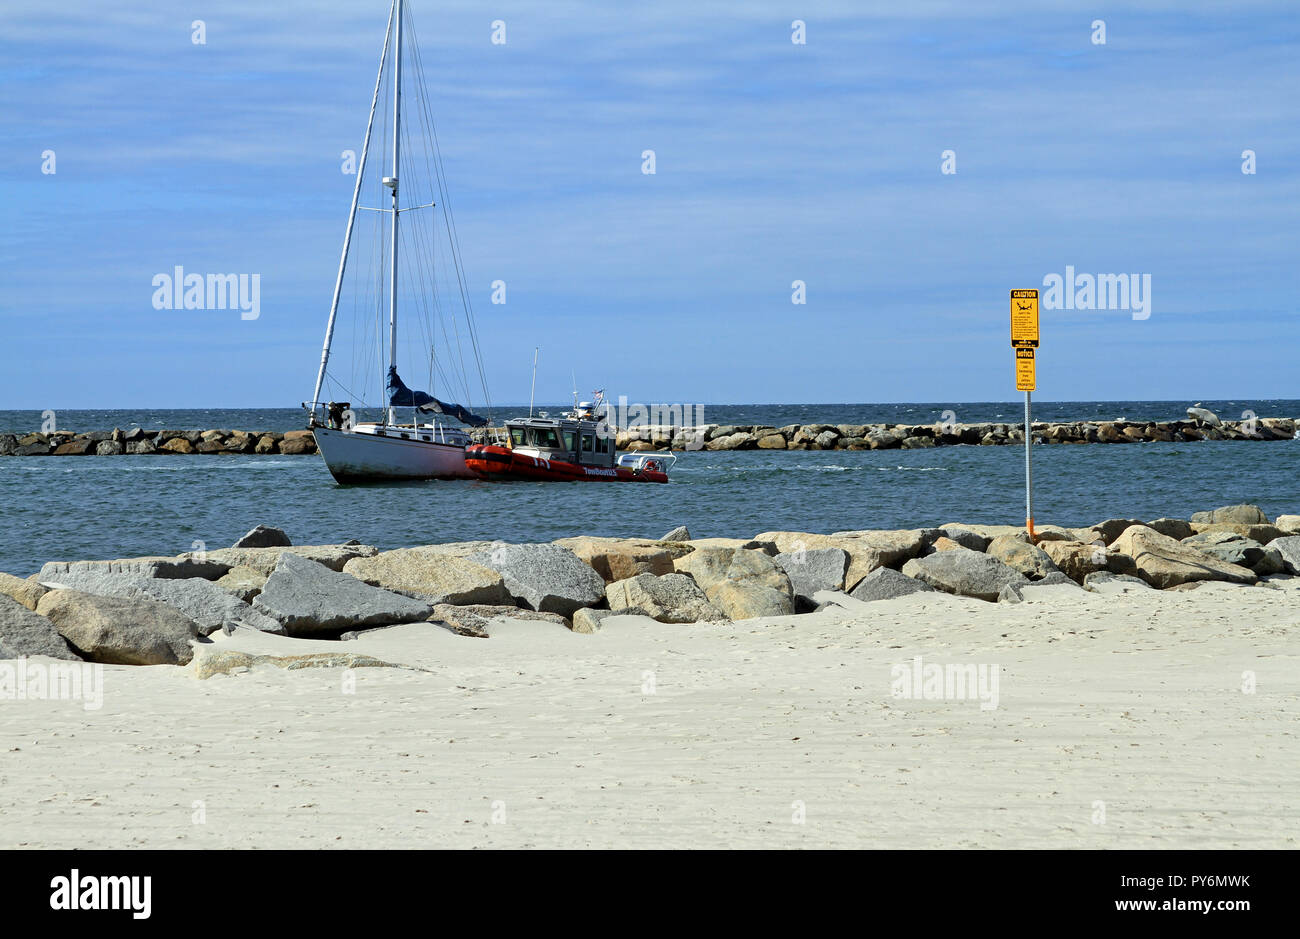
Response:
column 361, row 457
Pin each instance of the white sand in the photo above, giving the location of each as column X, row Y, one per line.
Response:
column 1134, row 701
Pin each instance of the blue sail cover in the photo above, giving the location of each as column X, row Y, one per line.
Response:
column 399, row 396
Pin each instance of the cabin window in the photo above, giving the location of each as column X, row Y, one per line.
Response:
column 588, row 443
column 569, row 438
column 516, row 436
column 544, row 438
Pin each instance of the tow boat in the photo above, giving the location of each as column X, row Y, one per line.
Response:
column 564, row 449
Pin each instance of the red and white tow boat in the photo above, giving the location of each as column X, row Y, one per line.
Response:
column 568, row 449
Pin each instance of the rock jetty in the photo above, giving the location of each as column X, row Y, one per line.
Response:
column 138, row 441
column 918, row 436
column 167, row 611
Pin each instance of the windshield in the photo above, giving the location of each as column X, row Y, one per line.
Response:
column 544, row 438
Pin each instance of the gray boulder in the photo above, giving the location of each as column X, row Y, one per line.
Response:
column 1232, row 515
column 544, row 577
column 1229, row 546
column 966, row 538
column 118, row 631
column 264, row 536
column 24, row 633
column 810, row 571
column 588, row 620
column 1164, row 562
column 430, row 575
column 1016, row 552
column 209, row 606
column 1289, row 549
column 965, row 573
column 671, row 598
column 308, row 598
column 680, row 533
column 885, row 583
column 1172, row 527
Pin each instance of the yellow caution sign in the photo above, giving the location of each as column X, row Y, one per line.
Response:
column 1025, row 378
column 1024, row 319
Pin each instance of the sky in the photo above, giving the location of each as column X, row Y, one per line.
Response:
column 775, row 162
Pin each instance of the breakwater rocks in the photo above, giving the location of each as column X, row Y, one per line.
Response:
column 665, row 437
column 118, row 442
column 916, row 436
column 160, row 610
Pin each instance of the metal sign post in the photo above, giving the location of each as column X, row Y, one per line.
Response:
column 1024, row 340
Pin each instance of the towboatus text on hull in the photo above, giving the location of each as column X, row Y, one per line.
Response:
column 567, row 449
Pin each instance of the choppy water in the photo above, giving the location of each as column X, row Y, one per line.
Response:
column 65, row 508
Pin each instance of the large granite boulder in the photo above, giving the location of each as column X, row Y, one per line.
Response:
column 185, row 565
column 1175, row 528
column 1163, row 562
column 672, row 598
column 264, row 536
column 1288, row 524
column 1289, row 549
column 430, row 575
column 1075, row 558
column 1016, row 552
column 620, row 558
column 965, row 573
column 867, row 549
column 24, row 633
column 741, row 583
column 544, row 577
column 1235, row 549
column 885, row 583
column 308, row 598
column 26, row 591
column 1233, row 515
column 209, row 606
column 810, row 571
column 680, row 533
column 264, row 560
column 118, row 631
column 967, row 538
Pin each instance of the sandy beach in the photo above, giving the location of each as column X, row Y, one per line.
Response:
column 1121, row 722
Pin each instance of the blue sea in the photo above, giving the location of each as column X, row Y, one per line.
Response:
column 70, row 508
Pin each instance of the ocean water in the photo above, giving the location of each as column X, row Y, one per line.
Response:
column 70, row 508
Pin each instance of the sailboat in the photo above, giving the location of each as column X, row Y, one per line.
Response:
column 425, row 447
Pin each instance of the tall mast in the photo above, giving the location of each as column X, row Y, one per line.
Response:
column 392, row 183
column 352, row 217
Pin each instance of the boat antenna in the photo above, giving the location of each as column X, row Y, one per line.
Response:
column 532, row 393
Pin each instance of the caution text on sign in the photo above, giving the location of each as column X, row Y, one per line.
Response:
column 1024, row 319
